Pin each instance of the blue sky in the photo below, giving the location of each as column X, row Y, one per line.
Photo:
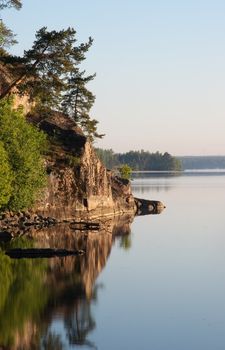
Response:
column 160, row 67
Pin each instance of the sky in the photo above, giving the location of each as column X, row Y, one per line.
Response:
column 160, row 68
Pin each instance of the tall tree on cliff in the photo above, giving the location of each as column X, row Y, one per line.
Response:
column 43, row 70
column 78, row 101
column 49, row 73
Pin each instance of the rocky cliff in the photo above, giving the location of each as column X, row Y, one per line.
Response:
column 79, row 185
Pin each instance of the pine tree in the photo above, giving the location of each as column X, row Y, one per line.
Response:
column 43, row 70
column 7, row 38
column 78, row 101
column 50, row 75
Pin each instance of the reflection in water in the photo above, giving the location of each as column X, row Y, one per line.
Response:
column 79, row 324
column 154, row 174
column 21, row 298
column 142, row 189
column 52, row 342
column 157, row 182
column 47, row 304
column 143, row 183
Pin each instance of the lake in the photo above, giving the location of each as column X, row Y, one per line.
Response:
column 155, row 283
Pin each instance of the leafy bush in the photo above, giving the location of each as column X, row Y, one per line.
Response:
column 125, row 171
column 24, row 145
column 6, row 177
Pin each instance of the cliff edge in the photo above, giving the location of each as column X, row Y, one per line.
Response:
column 79, row 185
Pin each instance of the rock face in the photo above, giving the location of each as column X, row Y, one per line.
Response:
column 146, row 207
column 7, row 76
column 79, row 185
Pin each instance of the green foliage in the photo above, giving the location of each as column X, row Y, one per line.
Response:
column 24, row 145
column 49, row 64
column 139, row 160
column 78, row 101
column 125, row 171
column 6, row 177
column 7, row 37
column 49, row 73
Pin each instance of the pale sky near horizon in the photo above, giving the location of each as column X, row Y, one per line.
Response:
column 160, row 65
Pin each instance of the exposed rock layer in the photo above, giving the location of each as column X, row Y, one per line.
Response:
column 78, row 182
column 78, row 186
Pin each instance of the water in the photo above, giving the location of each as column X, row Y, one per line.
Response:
column 156, row 283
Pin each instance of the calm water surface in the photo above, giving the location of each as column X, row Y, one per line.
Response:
column 157, row 284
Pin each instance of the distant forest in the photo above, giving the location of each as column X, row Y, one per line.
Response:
column 139, row 160
column 202, row 162
column 144, row 160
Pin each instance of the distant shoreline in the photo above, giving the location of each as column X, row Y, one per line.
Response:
column 202, row 162
column 186, row 171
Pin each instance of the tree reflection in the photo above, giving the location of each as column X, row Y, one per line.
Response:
column 52, row 341
column 36, row 292
column 22, row 297
column 125, row 242
column 79, row 324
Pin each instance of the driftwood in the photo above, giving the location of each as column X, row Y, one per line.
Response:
column 84, row 226
column 17, row 253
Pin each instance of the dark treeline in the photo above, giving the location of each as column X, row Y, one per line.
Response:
column 139, row 160
column 202, row 162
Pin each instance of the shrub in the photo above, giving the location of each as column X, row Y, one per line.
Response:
column 125, row 171
column 24, row 145
column 6, row 177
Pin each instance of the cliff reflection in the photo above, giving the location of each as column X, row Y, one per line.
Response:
column 47, row 303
